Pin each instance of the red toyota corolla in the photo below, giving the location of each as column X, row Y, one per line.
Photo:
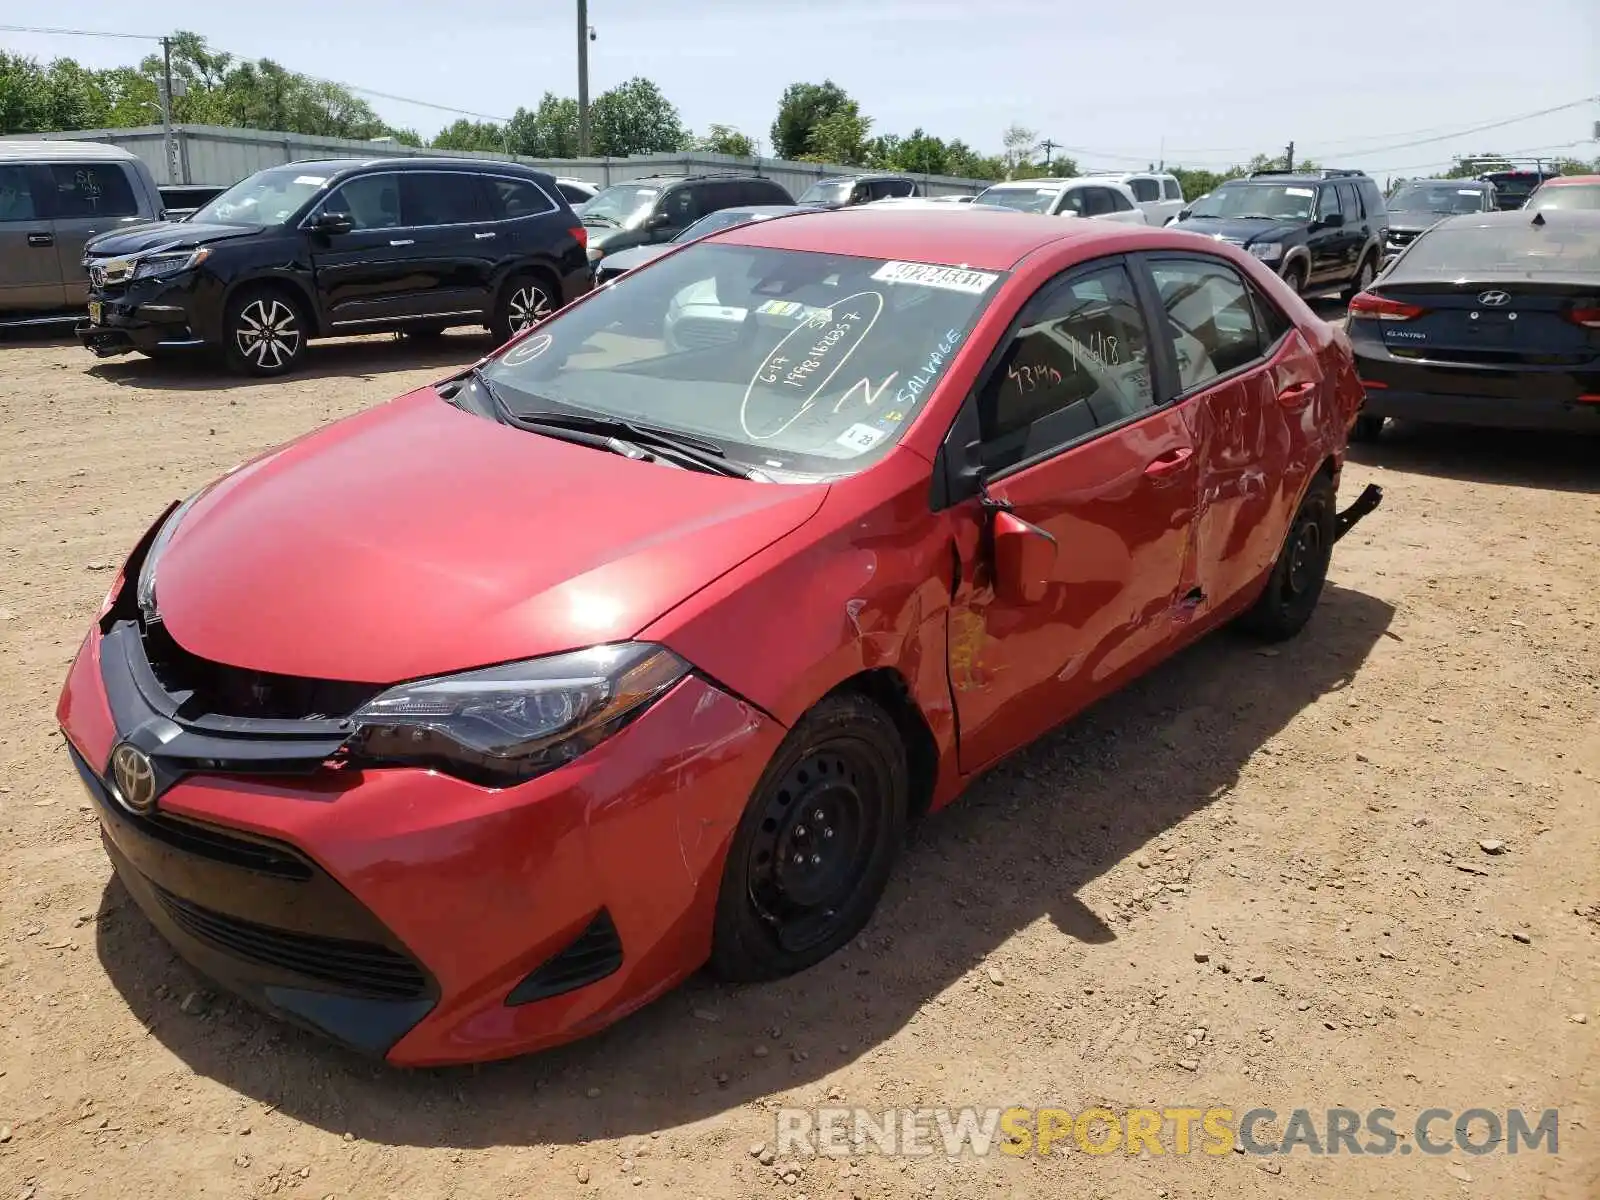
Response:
column 467, row 725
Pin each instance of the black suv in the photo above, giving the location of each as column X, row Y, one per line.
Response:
column 1319, row 230
column 317, row 249
column 656, row 208
column 844, row 190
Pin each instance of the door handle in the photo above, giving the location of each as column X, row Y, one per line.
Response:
column 41, row 239
column 1169, row 462
column 483, row 237
column 1296, row 392
column 402, row 241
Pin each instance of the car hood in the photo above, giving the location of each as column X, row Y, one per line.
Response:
column 1414, row 222
column 1242, row 233
column 636, row 256
column 416, row 539
column 164, row 235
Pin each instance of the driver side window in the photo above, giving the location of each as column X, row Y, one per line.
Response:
column 372, row 202
column 1077, row 362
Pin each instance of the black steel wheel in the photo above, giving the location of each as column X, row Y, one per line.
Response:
column 1296, row 582
column 816, row 844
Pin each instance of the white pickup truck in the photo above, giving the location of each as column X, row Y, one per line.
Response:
column 1089, row 196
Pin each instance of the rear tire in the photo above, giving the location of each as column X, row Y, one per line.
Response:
column 1365, row 274
column 264, row 332
column 813, row 852
column 1366, row 429
column 526, row 299
column 1295, row 585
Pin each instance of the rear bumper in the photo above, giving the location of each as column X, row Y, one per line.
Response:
column 1447, row 409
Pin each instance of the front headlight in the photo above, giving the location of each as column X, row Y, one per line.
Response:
column 170, row 262
column 146, row 592
column 1267, row 251
column 502, row 725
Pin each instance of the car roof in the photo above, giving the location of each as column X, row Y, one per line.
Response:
column 1477, row 184
column 1569, row 180
column 1582, row 218
column 418, row 162
column 863, row 175
column 13, row 149
column 987, row 241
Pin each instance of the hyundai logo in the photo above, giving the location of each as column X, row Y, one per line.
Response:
column 1493, row 299
column 135, row 778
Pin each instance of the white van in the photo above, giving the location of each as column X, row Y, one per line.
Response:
column 1158, row 195
column 1080, row 197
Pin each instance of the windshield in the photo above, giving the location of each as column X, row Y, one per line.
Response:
column 619, row 204
column 1464, row 250
column 1515, row 185
column 1023, row 199
column 1274, row 201
column 1442, row 198
column 713, row 222
column 834, row 192
column 268, row 197
column 801, row 363
column 1570, row 195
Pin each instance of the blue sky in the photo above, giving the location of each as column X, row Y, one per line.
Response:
column 1112, row 82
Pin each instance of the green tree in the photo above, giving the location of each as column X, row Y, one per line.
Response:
column 635, row 118
column 1018, row 146
column 840, row 137
column 470, row 135
column 724, row 139
column 802, row 108
column 549, row 131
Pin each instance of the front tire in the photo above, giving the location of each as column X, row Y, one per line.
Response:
column 813, row 852
column 265, row 332
column 1295, row 276
column 526, row 299
column 1296, row 582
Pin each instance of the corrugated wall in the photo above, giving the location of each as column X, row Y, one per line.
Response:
column 219, row 156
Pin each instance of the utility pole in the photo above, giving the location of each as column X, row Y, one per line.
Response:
column 1161, row 162
column 1049, row 148
column 167, row 140
column 583, row 78
column 1288, row 163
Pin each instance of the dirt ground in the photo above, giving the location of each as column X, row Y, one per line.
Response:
column 1308, row 820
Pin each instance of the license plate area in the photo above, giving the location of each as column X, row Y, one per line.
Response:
column 1491, row 330
column 95, row 312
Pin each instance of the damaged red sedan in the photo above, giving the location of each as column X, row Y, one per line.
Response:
column 467, row 725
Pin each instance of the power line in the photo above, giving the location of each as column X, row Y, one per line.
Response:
column 140, row 37
column 1543, row 112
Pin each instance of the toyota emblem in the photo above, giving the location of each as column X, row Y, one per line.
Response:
column 1493, row 299
column 135, row 777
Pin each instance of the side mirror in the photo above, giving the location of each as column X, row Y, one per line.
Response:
column 1183, row 215
column 332, row 222
column 1024, row 559
column 657, row 220
column 1332, row 221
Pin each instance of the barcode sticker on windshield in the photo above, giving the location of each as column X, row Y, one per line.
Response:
column 780, row 308
column 1300, row 191
column 312, row 180
column 860, row 438
column 954, row 279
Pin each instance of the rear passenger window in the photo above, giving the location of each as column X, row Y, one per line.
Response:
column 519, row 198
column 1170, row 190
column 1350, row 198
column 441, row 198
column 1211, row 318
column 92, row 190
column 16, row 195
column 1078, row 363
column 1145, row 190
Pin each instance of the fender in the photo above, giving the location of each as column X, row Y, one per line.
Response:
column 286, row 277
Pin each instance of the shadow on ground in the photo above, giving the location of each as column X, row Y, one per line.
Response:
column 1017, row 848
column 1561, row 462
column 366, row 357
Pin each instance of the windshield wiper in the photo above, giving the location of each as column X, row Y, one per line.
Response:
column 599, row 219
column 702, row 453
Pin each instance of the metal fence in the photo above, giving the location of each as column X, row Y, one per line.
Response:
column 220, row 156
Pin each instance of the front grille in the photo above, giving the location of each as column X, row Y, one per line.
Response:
column 358, row 968
column 204, row 688
column 206, row 841
column 594, row 954
column 1401, row 237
